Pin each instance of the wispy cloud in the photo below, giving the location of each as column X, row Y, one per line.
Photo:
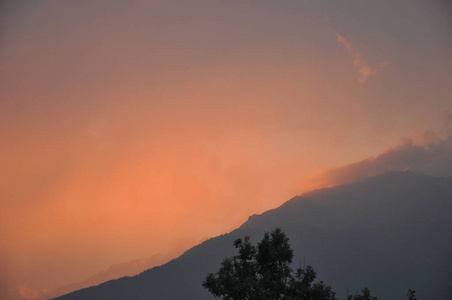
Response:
column 359, row 63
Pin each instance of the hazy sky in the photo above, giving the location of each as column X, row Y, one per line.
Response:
column 130, row 128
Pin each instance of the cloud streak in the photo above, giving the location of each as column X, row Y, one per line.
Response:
column 363, row 68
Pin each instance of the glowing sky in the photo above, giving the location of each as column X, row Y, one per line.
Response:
column 130, row 128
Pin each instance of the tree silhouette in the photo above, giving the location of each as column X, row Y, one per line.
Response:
column 263, row 272
column 411, row 295
column 365, row 296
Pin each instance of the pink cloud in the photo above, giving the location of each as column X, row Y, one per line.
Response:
column 363, row 68
column 28, row 293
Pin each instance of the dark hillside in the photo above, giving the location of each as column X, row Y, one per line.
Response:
column 389, row 233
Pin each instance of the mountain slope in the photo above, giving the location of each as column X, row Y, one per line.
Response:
column 113, row 272
column 389, row 233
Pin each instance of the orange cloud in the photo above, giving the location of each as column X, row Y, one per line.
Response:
column 360, row 64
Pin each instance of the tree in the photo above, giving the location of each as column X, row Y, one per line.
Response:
column 263, row 272
column 302, row 287
column 365, row 296
column 411, row 295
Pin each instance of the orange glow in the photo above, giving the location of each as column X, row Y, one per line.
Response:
column 134, row 128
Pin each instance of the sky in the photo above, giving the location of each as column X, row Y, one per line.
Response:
column 132, row 128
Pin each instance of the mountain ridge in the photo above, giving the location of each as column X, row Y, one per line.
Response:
column 115, row 271
column 387, row 232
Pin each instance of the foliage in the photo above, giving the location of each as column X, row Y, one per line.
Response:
column 411, row 295
column 365, row 296
column 263, row 272
column 302, row 287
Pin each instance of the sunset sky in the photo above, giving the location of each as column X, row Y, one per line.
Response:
column 131, row 128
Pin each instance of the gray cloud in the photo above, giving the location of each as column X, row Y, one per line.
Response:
column 430, row 153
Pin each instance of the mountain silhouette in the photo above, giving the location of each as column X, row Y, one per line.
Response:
column 113, row 272
column 390, row 233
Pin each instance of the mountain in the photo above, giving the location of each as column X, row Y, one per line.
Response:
column 389, row 233
column 115, row 271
